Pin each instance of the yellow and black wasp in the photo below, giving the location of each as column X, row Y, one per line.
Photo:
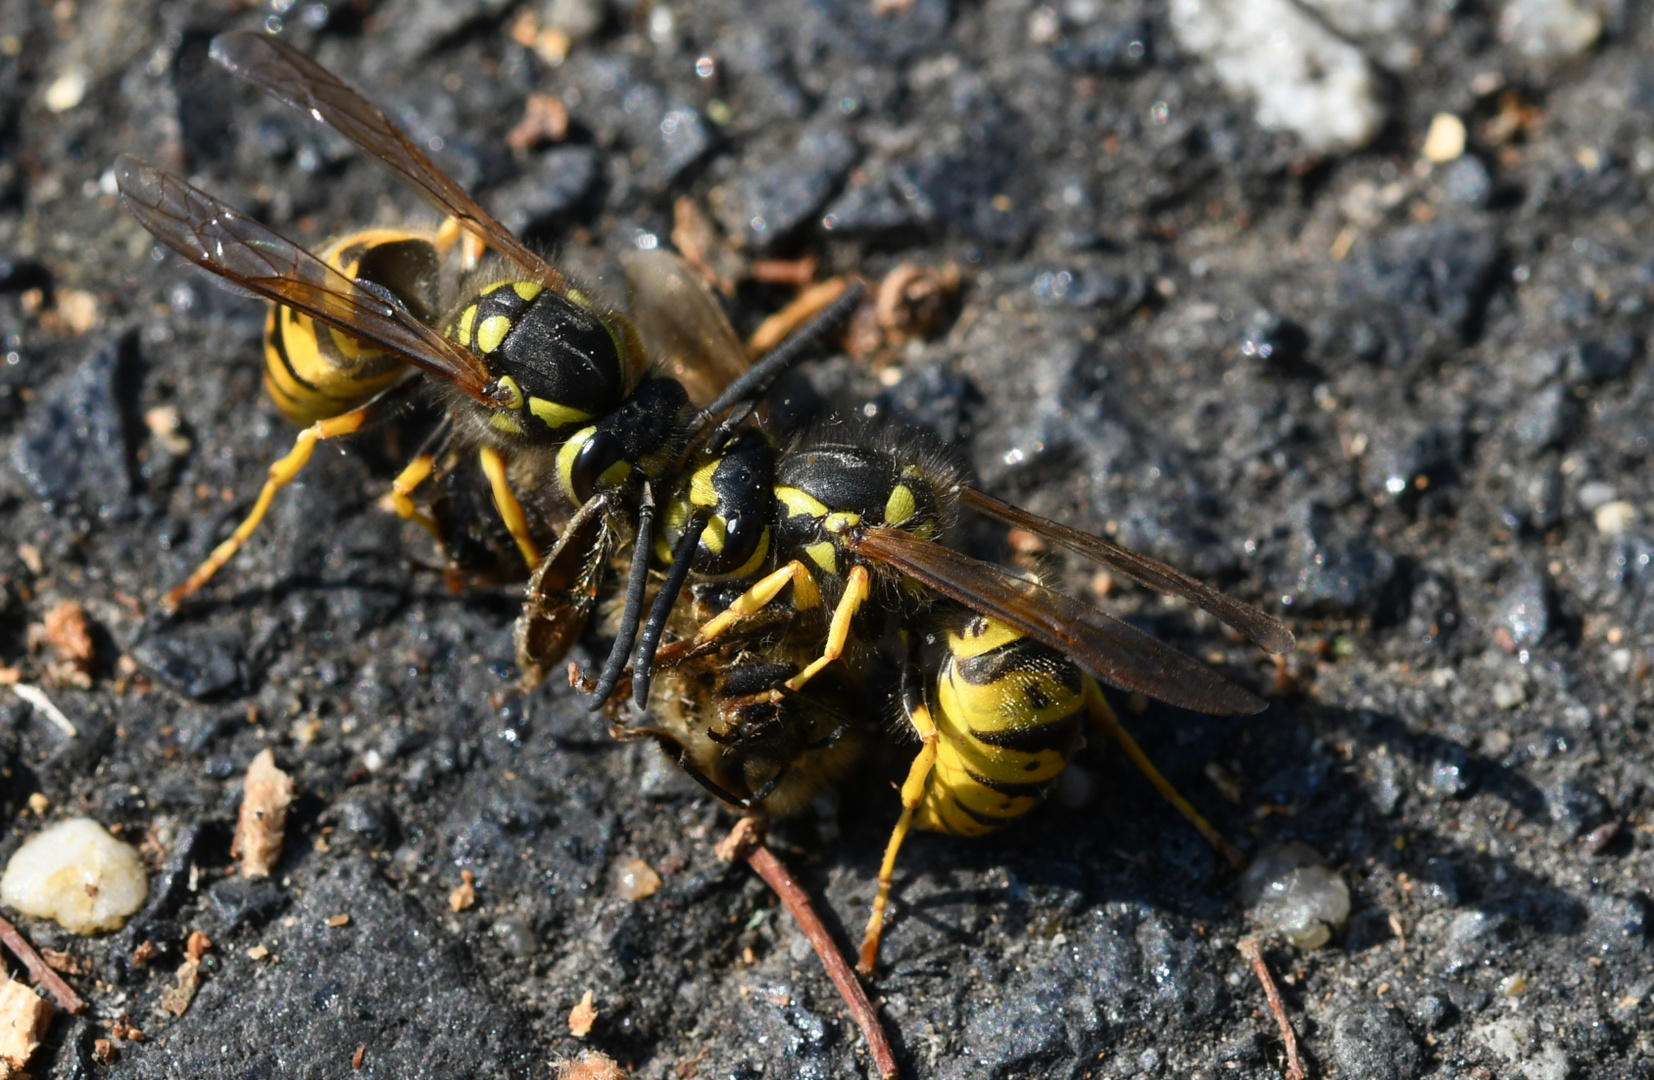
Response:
column 555, row 395
column 858, row 555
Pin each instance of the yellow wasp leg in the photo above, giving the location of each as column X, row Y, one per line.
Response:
column 756, row 598
column 856, row 590
column 417, row 472
column 281, row 473
column 913, row 793
column 471, row 248
column 1108, row 724
column 511, row 511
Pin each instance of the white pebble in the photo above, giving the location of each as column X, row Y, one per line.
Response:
column 1305, row 79
column 1290, row 890
column 1615, row 517
column 78, row 875
column 1549, row 29
column 1508, row 695
column 1445, row 140
column 66, row 91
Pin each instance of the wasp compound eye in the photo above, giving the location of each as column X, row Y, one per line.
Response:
column 597, row 456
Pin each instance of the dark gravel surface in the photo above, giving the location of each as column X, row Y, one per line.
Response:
column 1405, row 401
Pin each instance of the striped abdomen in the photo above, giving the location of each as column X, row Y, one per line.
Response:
column 1009, row 713
column 313, row 372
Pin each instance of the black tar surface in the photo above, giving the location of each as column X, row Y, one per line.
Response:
column 1400, row 396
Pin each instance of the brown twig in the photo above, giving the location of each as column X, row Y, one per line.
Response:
column 61, row 992
column 1250, row 949
column 747, row 842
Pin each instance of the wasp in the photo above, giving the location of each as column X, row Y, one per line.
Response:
column 548, row 391
column 857, row 554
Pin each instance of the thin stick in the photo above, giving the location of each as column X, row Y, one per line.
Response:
column 746, row 843
column 61, row 992
column 1254, row 955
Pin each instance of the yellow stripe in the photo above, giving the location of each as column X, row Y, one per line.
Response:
column 701, row 492
column 715, row 534
column 492, row 332
column 990, row 634
column 504, row 421
column 799, row 503
column 509, row 384
column 555, row 416
column 759, row 554
column 527, row 290
column 824, row 555
column 462, row 329
column 900, row 506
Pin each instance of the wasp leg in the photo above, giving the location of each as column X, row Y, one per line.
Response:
column 913, row 793
column 281, row 473
column 1108, row 724
column 417, row 472
column 472, row 249
column 805, row 595
column 856, row 590
column 511, row 511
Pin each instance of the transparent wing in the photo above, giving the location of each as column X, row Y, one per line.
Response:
column 682, row 326
column 292, row 77
column 240, row 250
column 1265, row 630
column 1117, row 652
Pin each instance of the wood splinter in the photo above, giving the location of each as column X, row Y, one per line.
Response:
column 746, row 842
column 49, row 980
column 1250, row 949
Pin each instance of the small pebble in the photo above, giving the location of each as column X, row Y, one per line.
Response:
column 1445, row 140
column 1615, row 517
column 66, row 91
column 635, row 879
column 78, row 875
column 1549, row 29
column 1289, row 889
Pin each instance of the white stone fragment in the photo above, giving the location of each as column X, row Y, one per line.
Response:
column 1510, row 1037
column 1445, row 140
column 1305, row 79
column 76, row 874
column 1290, row 890
column 1549, row 1063
column 1613, row 518
column 1549, row 29
column 1508, row 695
column 66, row 91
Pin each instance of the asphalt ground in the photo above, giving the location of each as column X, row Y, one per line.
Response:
column 1401, row 404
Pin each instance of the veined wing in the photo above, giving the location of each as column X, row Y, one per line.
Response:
column 681, row 324
column 242, row 251
column 290, row 76
column 1115, row 651
column 1265, row 630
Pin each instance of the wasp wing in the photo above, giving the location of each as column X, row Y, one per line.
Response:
column 292, row 77
column 240, row 250
column 682, row 326
column 1117, row 652
column 1265, row 630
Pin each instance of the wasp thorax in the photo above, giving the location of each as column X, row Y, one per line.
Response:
column 558, row 362
column 829, row 489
